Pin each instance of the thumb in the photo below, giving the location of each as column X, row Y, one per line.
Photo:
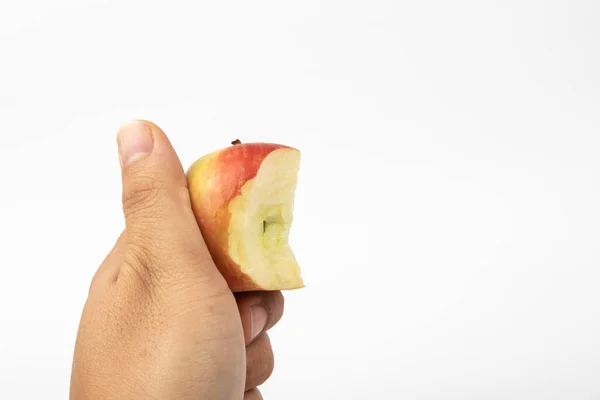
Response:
column 159, row 221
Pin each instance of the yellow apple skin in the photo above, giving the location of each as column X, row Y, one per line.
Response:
column 220, row 184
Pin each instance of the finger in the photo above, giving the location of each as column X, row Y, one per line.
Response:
column 158, row 215
column 259, row 312
column 109, row 269
column 260, row 362
column 253, row 394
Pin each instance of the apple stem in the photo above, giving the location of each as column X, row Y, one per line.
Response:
column 236, row 142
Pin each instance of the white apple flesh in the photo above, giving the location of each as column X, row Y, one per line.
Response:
column 243, row 200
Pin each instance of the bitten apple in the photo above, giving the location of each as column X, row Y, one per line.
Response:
column 243, row 200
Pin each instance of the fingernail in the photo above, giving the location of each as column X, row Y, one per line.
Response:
column 259, row 321
column 134, row 141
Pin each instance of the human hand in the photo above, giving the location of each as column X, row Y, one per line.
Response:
column 160, row 321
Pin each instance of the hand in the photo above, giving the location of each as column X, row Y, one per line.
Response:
column 160, row 321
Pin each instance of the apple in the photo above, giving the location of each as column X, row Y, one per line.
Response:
column 243, row 200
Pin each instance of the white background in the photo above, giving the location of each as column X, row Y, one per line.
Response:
column 447, row 215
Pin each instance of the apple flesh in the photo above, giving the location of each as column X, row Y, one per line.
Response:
column 243, row 201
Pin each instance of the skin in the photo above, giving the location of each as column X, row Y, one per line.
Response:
column 160, row 321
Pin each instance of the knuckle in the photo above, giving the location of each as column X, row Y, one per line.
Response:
column 138, row 261
column 154, row 264
column 142, row 266
column 142, row 193
column 269, row 363
column 262, row 364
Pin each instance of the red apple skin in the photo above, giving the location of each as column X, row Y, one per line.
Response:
column 213, row 181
